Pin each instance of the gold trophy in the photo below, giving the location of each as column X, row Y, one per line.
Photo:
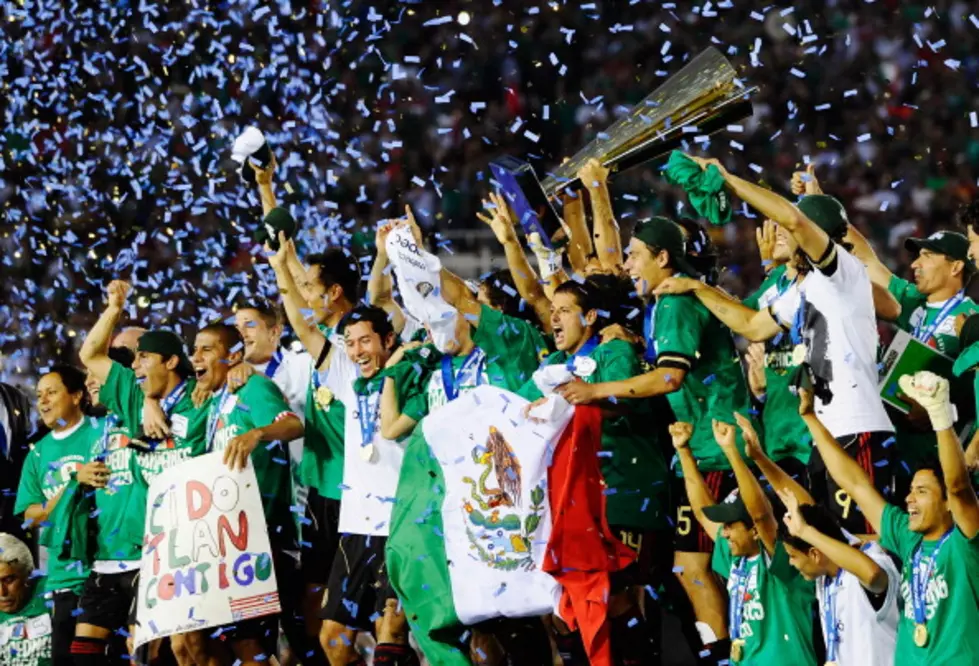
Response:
column 700, row 99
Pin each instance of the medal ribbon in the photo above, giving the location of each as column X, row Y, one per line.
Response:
column 473, row 364
column 170, row 401
column 736, row 606
column 922, row 334
column 586, row 350
column 110, row 422
column 831, row 592
column 214, row 414
column 649, row 332
column 920, row 576
column 273, row 364
column 367, row 413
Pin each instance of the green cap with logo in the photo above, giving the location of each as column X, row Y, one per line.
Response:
column 827, row 212
column 731, row 510
column 664, row 234
column 952, row 244
column 166, row 344
column 277, row 220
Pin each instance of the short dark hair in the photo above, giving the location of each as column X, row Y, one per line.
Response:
column 931, row 464
column 585, row 293
column 503, row 296
column 124, row 356
column 230, row 337
column 617, row 301
column 375, row 316
column 702, row 254
column 820, row 519
column 74, row 380
column 968, row 216
column 338, row 268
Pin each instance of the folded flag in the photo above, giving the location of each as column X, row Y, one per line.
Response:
column 704, row 187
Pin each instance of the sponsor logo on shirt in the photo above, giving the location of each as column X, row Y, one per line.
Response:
column 937, row 592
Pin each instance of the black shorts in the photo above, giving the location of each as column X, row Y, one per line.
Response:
column 689, row 536
column 320, row 537
column 643, row 544
column 358, row 587
column 109, row 600
column 877, row 460
column 63, row 621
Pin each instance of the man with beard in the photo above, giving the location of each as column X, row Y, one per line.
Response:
column 828, row 312
column 696, row 366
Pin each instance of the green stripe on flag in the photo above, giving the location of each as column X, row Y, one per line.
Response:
column 416, row 559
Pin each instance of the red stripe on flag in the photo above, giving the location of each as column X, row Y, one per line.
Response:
column 255, row 606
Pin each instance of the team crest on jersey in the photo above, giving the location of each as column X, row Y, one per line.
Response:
column 498, row 535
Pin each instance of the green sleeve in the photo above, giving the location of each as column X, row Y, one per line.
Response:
column 530, row 391
column 908, row 296
column 122, row 396
column 680, row 322
column 754, row 297
column 618, row 361
column 778, row 566
column 895, row 535
column 411, row 378
column 721, row 559
column 509, row 342
column 29, row 489
column 265, row 402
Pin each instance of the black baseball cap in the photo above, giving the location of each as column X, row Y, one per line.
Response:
column 731, row 510
column 166, row 344
column 665, row 234
column 952, row 244
column 827, row 212
column 277, row 220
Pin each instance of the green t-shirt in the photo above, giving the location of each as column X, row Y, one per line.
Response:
column 50, row 468
column 514, row 348
column 952, row 598
column 776, row 618
column 257, row 404
column 785, row 433
column 916, row 312
column 322, row 463
column 120, row 524
column 686, row 335
column 636, row 475
column 122, row 396
column 25, row 636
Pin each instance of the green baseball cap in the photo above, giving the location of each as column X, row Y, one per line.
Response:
column 731, row 510
column 277, row 220
column 952, row 244
column 665, row 234
column 827, row 212
column 968, row 357
column 166, row 344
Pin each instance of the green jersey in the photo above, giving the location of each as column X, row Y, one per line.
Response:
column 635, row 474
column 686, row 336
column 514, row 348
column 120, row 527
column 122, row 396
column 25, row 636
column 776, row 609
column 936, row 321
column 257, row 404
column 50, row 469
column 785, row 433
column 951, row 599
column 322, row 463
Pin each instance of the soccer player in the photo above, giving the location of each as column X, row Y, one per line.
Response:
column 937, row 538
column 770, row 602
column 25, row 624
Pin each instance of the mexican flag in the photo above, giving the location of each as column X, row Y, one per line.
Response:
column 475, row 531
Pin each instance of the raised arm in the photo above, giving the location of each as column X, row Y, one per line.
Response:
column 394, row 424
column 845, row 470
column 580, row 247
column 697, row 491
column 660, row 381
column 932, row 392
column 879, row 274
column 263, row 178
column 500, row 221
column 306, row 330
column 870, row 574
column 380, row 286
column 284, row 430
column 775, row 475
column 755, row 501
column 755, row 325
column 608, row 240
column 94, row 353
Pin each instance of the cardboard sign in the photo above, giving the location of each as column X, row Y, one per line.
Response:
column 206, row 560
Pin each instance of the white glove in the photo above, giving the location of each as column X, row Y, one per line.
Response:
column 549, row 261
column 931, row 392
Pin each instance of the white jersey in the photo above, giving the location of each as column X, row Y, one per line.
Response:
column 290, row 372
column 867, row 636
column 837, row 320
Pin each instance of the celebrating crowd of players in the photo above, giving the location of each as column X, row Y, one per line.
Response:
column 796, row 491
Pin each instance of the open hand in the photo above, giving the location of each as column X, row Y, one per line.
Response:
column 793, row 519
column 765, row 235
column 238, row 376
column 577, row 392
column 497, row 217
column 155, row 423
column 676, row 285
column 238, row 450
column 752, row 445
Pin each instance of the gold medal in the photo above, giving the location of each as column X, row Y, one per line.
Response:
column 367, row 452
column 737, row 649
column 920, row 635
column 324, row 397
column 799, row 354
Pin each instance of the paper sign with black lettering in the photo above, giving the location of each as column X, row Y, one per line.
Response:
column 206, row 555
